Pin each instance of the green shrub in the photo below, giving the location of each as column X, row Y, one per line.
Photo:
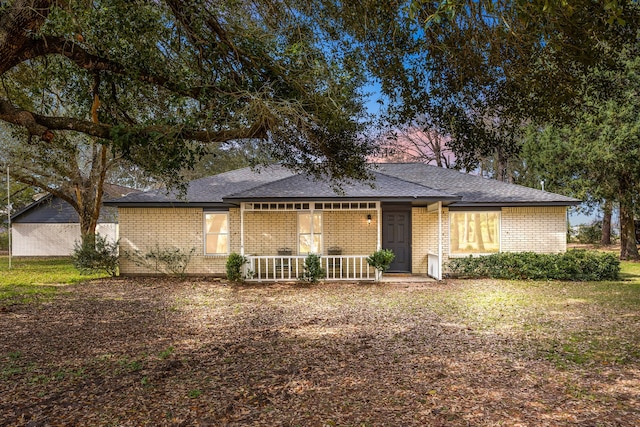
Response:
column 4, row 241
column 381, row 260
column 169, row 261
column 95, row 254
column 313, row 270
column 590, row 234
column 578, row 265
column 234, row 266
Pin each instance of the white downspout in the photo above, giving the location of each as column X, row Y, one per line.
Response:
column 439, row 241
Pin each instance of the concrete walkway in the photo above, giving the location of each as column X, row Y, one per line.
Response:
column 406, row 278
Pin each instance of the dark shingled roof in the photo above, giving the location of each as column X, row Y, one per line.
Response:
column 210, row 190
column 382, row 187
column 392, row 182
column 474, row 190
column 53, row 210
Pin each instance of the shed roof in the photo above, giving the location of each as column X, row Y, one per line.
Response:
column 53, row 210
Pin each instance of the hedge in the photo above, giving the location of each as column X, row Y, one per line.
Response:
column 577, row 265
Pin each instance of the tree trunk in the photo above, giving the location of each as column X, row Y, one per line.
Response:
column 605, row 238
column 628, row 246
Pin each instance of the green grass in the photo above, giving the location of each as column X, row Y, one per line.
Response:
column 568, row 323
column 35, row 279
column 630, row 271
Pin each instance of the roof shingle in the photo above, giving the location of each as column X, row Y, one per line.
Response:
column 392, row 181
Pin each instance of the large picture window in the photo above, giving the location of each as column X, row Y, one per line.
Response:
column 310, row 233
column 474, row 232
column 216, row 233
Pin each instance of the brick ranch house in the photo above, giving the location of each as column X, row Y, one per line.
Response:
column 424, row 214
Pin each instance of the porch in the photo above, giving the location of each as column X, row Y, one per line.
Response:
column 291, row 267
column 276, row 238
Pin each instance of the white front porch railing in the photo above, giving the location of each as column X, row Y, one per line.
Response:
column 290, row 267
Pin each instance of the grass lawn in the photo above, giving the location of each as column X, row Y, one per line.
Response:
column 32, row 279
column 201, row 352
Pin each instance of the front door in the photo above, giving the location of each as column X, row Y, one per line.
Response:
column 396, row 235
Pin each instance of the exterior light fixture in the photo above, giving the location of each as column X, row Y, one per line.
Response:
column 369, row 219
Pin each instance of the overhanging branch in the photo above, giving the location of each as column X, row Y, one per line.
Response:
column 43, row 127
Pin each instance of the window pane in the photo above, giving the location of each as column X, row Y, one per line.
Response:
column 317, row 222
column 217, row 223
column 217, row 243
column 305, row 243
column 316, row 248
column 304, row 223
column 474, row 232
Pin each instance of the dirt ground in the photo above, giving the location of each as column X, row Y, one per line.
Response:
column 181, row 353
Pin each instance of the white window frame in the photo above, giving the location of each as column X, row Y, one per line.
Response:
column 311, row 213
column 461, row 254
column 207, row 234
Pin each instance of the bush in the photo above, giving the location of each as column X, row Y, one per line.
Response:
column 381, row 260
column 313, row 271
column 579, row 265
column 234, row 266
column 95, row 254
column 4, row 241
column 169, row 261
column 590, row 234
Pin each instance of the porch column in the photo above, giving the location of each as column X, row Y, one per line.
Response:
column 242, row 228
column 439, row 241
column 379, row 213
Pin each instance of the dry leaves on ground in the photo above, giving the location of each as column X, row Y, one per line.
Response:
column 200, row 352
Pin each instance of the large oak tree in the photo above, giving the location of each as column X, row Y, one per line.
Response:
column 158, row 82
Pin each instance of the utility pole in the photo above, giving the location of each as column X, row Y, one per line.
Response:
column 8, row 213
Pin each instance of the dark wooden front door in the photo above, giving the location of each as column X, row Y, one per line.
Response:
column 396, row 235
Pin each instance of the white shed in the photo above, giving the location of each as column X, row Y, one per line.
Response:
column 50, row 226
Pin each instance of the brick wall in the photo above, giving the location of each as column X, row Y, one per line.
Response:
column 538, row 229
column 265, row 232
column 144, row 229
column 422, row 239
column 350, row 231
column 425, row 237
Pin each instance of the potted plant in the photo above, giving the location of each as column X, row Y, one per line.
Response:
column 381, row 260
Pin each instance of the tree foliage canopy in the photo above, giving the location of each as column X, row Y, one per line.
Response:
column 482, row 69
column 596, row 158
column 161, row 81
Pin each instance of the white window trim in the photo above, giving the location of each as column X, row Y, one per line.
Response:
column 466, row 254
column 205, row 233
column 312, row 212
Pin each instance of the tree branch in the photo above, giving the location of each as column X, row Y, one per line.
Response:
column 43, row 127
column 83, row 59
column 17, row 23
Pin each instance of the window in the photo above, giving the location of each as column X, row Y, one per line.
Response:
column 216, row 233
column 474, row 232
column 310, row 232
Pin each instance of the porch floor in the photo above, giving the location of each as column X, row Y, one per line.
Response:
column 406, row 278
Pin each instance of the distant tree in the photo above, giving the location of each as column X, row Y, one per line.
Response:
column 417, row 142
column 596, row 159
